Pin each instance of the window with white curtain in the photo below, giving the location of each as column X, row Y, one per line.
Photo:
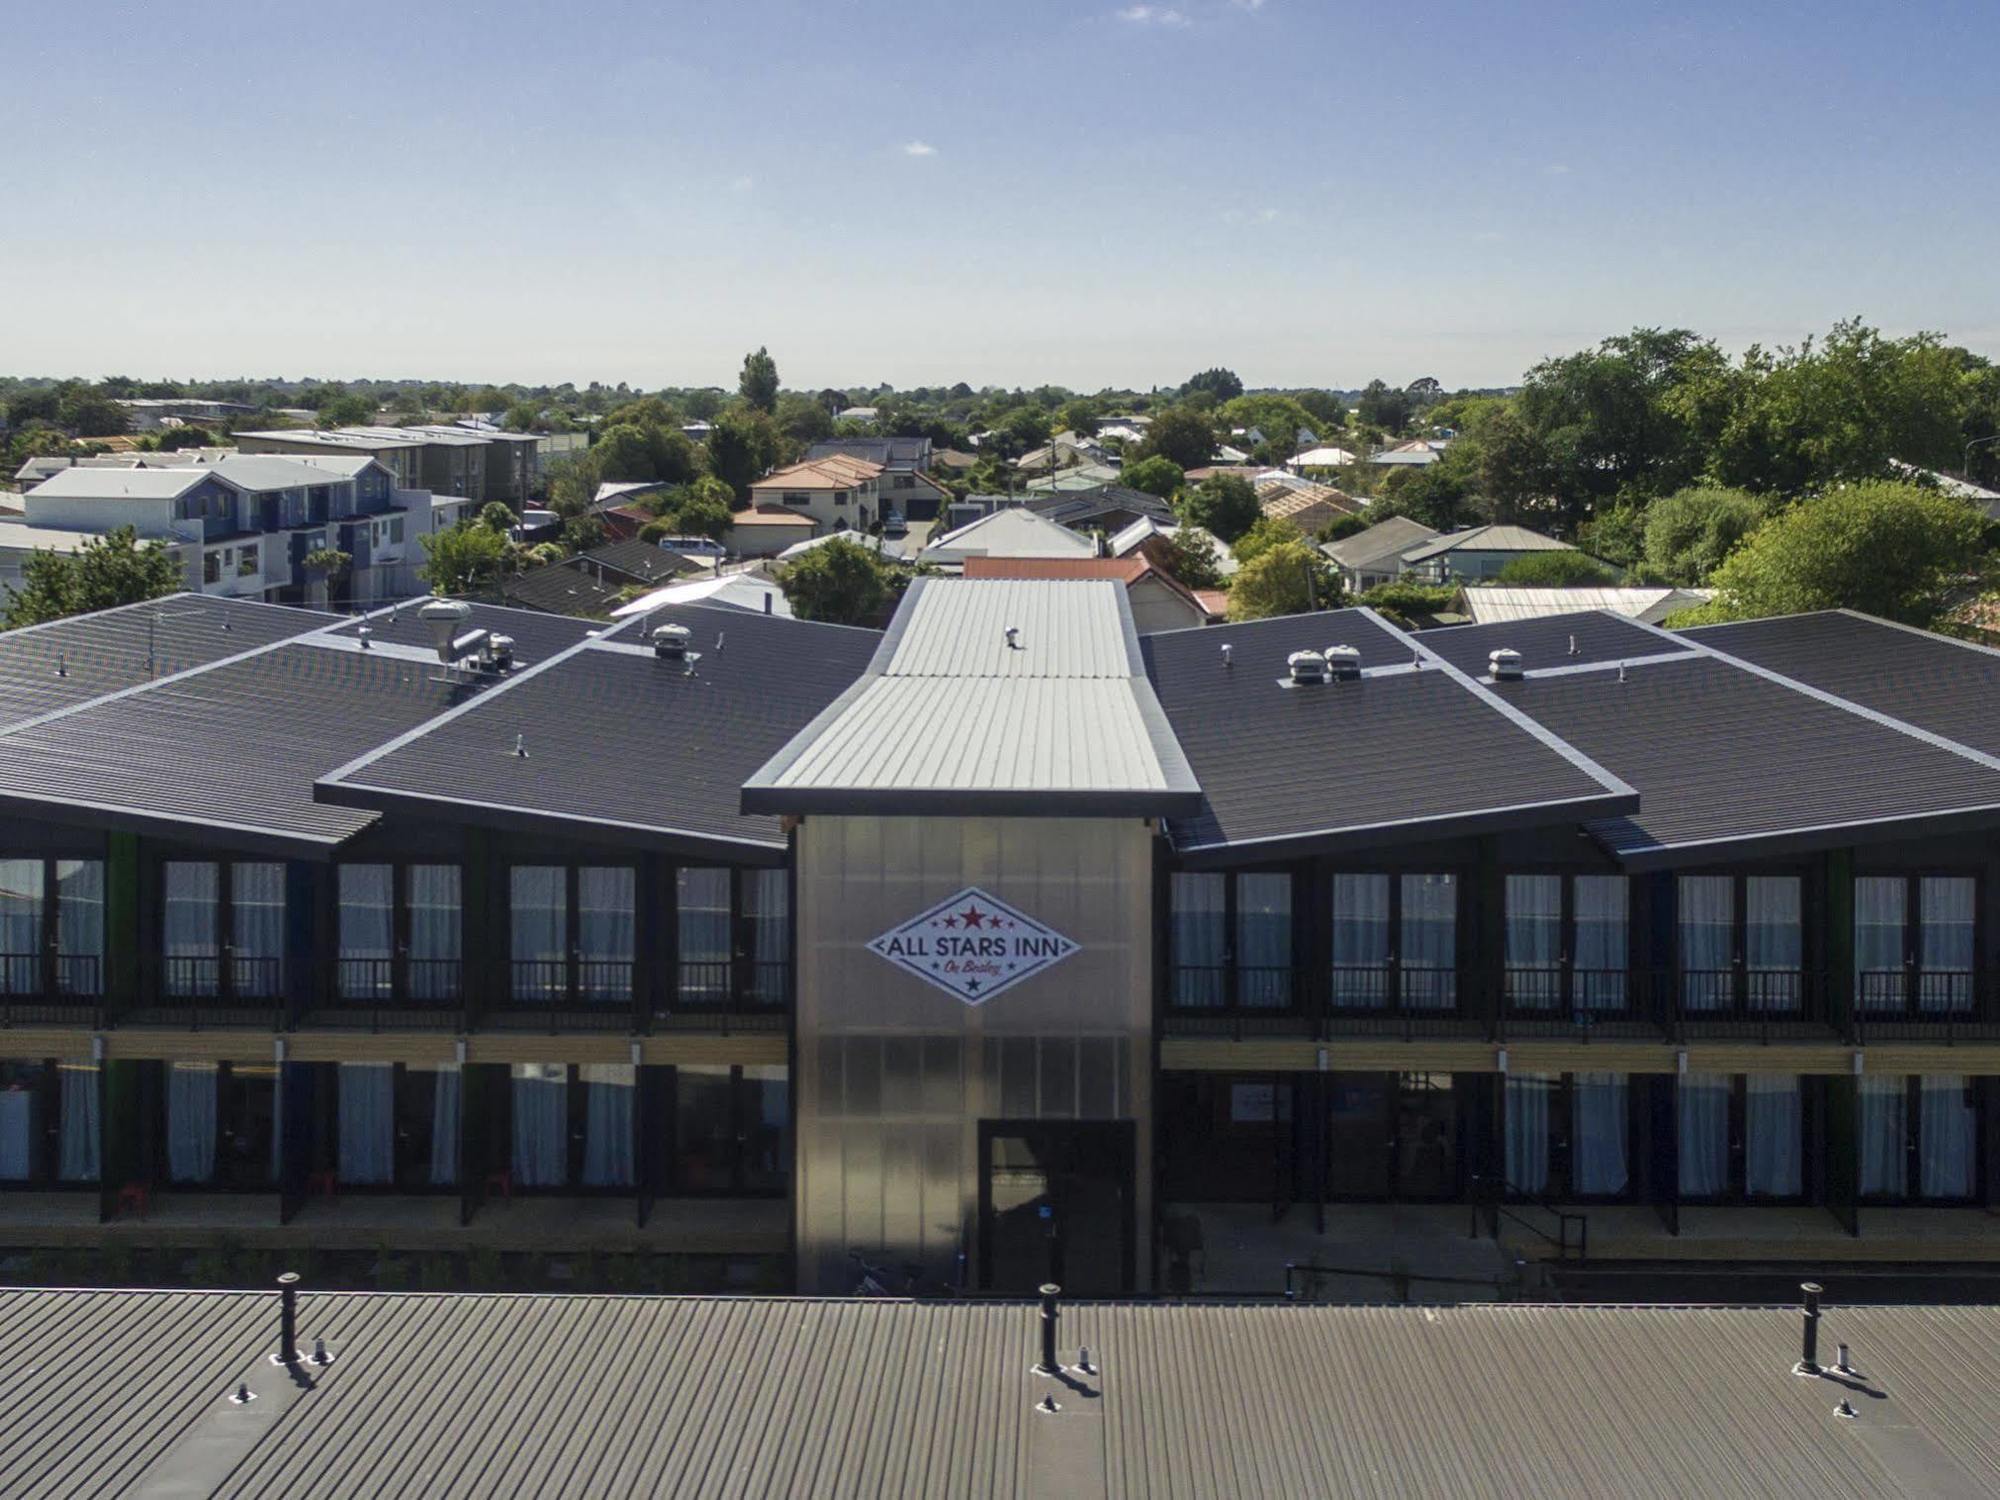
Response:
column 20, row 1120
column 257, row 916
column 366, row 1115
column 1704, row 1100
column 190, row 925
column 1361, row 941
column 538, row 929
column 701, row 897
column 1881, row 917
column 1774, row 941
column 193, row 1090
column 1945, row 946
column 608, row 1140
column 80, row 1149
column 1773, row 1136
column 1264, row 939
column 1534, row 909
column 1428, row 969
column 367, row 936
column 1600, row 1135
column 541, row 1124
column 1528, row 1100
column 1947, row 1136
column 434, row 901
column 80, row 926
column 1602, row 949
column 1884, row 1126
column 21, row 933
column 767, row 913
column 445, row 1105
column 606, row 898
column 1198, row 937
column 1705, row 939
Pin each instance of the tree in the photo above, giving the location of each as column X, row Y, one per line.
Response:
column 1555, row 570
column 1223, row 505
column 1690, row 532
column 1079, row 417
column 174, row 439
column 629, row 451
column 1278, row 418
column 1023, row 428
column 702, row 509
column 1290, row 578
column 1327, row 410
column 1883, row 547
column 100, row 574
column 1191, row 557
column 840, row 582
column 1264, row 534
column 1180, row 434
column 1220, row 383
column 1402, row 601
column 466, row 556
column 802, row 420
column 742, row 448
column 1155, row 475
column 1382, row 405
column 759, row 383
column 1345, row 526
column 523, row 416
column 350, row 410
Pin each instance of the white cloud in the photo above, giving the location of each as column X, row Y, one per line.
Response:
column 1249, row 4
column 1556, row 169
column 1267, row 215
column 1155, row 15
column 920, row 148
column 741, row 184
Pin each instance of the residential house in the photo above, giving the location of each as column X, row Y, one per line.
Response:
column 1310, row 507
column 1476, row 552
column 1417, row 454
column 1319, row 458
column 1159, row 601
column 905, row 485
column 402, row 456
column 1012, row 531
column 1105, row 507
column 1375, row 556
column 953, row 460
column 1079, row 477
column 745, row 591
column 836, row 493
column 767, row 530
column 1492, row 603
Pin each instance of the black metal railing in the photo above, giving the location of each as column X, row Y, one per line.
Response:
column 43, row 988
column 738, row 984
column 1916, row 1002
column 395, row 981
column 575, row 981
column 1492, row 1199
column 1768, row 1002
column 1561, row 999
column 1264, row 988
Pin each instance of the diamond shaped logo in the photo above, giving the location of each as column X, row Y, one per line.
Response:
column 972, row 946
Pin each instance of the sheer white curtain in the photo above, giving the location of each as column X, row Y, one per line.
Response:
column 188, row 937
column 1600, row 1127
column 367, row 931
column 257, row 899
column 1704, row 1135
column 1264, row 938
column 18, row 1108
column 444, row 1126
column 767, row 910
column 1197, row 936
column 605, row 899
column 1947, row 1128
column 541, row 1124
column 20, row 926
column 1603, row 921
column 1429, row 967
column 1534, row 939
column 367, row 1110
column 608, row 1142
column 191, row 1121
column 80, row 925
column 1884, row 1124
column 434, row 901
column 1773, row 941
column 1945, row 944
column 1707, row 918
column 1773, row 1127
column 1527, row 1101
column 702, row 902
column 81, row 1155
column 1360, row 940
column 1880, row 917
column 538, row 929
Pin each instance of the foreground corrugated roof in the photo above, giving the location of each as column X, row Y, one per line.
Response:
column 990, row 696
column 439, row 1395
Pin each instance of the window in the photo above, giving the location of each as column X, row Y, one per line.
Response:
column 246, row 562
column 573, row 1126
column 1914, row 943
column 1919, row 1138
column 572, row 933
column 1395, row 942
column 396, row 531
column 702, row 902
column 1741, row 1137
column 733, row 937
column 22, row 937
column 1568, row 1135
column 211, row 567
column 796, row 497
column 201, row 900
column 840, row 497
column 731, row 1131
column 1230, row 937
column 1566, row 942
column 220, row 1124
column 1740, row 943
column 50, row 1122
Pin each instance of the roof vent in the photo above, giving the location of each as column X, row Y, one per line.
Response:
column 1343, row 663
column 1225, row 653
column 1306, row 667
column 1504, row 665
column 1013, row 638
column 444, row 616
column 670, row 642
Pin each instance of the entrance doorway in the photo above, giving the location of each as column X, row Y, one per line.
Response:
column 1393, row 1137
column 1055, row 1204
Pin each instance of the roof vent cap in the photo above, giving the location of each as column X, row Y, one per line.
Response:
column 1343, row 663
column 1504, row 664
column 670, row 642
column 1306, row 666
column 444, row 616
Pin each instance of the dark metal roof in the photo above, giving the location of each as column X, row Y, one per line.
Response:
column 47, row 668
column 621, row 744
column 1400, row 753
column 890, row 452
column 225, row 751
column 1734, row 764
column 563, row 588
column 1548, row 642
column 1947, row 686
column 640, row 562
column 537, row 636
column 444, row 1395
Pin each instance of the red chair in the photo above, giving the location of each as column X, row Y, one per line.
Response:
column 323, row 1185
column 137, row 1196
column 501, row 1182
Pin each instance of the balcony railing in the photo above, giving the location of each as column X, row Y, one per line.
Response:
column 394, row 981
column 1916, row 1002
column 45, row 989
column 739, row 986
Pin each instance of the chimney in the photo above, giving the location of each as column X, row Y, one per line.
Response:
column 1504, row 665
column 288, row 1320
column 1809, row 1329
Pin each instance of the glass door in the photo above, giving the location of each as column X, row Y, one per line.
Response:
column 1361, row 1143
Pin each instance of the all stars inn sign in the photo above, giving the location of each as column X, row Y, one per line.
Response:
column 972, row 946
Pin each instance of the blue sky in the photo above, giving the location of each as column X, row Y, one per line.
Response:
column 1117, row 194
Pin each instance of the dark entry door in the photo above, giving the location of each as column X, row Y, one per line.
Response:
column 1393, row 1136
column 1055, row 1204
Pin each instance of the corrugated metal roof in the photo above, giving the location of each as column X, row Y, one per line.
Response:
column 1550, row 641
column 958, row 628
column 436, row 1395
column 953, row 717
column 1014, row 531
column 91, row 483
column 1385, row 539
column 1490, row 604
column 1486, row 539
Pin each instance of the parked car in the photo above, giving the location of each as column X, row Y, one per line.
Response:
column 893, row 524
column 694, row 546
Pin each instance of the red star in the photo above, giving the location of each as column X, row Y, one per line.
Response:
column 973, row 916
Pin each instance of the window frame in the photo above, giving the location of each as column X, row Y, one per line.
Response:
column 572, row 995
column 1736, row 1153
column 1564, row 1003
column 1740, row 1006
column 1231, row 971
column 228, row 988
column 677, row 995
column 1912, row 972
column 1913, row 1195
column 1394, row 993
column 49, row 958
column 400, row 992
